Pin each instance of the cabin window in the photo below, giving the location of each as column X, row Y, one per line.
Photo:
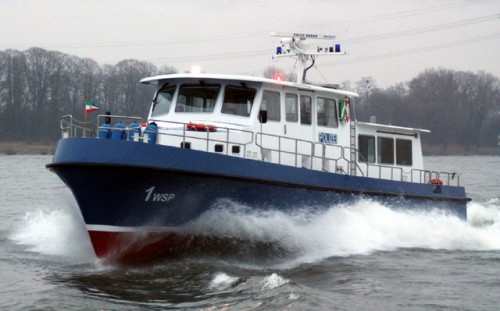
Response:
column 238, row 100
column 197, row 97
column 326, row 112
column 235, row 149
column 291, row 107
column 385, row 147
column 271, row 103
column 219, row 148
column 163, row 100
column 305, row 110
column 403, row 152
column 366, row 146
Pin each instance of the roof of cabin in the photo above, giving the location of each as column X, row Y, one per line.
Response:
column 158, row 80
column 391, row 127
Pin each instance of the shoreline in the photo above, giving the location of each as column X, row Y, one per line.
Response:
column 24, row 148
column 439, row 150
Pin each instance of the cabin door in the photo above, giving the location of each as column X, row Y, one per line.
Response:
column 298, row 126
column 287, row 135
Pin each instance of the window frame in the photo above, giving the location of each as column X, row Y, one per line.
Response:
column 382, row 153
column 206, row 108
column 157, row 104
column 366, row 156
column 293, row 105
column 226, row 110
column 272, row 114
column 324, row 114
column 304, row 114
column 402, row 153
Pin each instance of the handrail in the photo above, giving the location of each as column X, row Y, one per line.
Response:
column 71, row 127
column 396, row 173
column 446, row 178
column 208, row 135
column 119, row 117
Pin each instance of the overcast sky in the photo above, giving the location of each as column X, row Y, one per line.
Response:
column 391, row 40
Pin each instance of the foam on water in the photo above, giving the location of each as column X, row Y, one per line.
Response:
column 58, row 232
column 361, row 228
column 272, row 281
column 358, row 229
column 221, row 280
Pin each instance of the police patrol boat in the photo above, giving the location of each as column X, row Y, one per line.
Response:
column 262, row 143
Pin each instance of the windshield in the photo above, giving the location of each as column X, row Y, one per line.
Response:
column 163, row 100
column 197, row 97
column 238, row 100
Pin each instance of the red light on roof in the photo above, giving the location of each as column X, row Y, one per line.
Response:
column 278, row 76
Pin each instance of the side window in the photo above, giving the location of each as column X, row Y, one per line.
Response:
column 326, row 112
column 271, row 103
column 163, row 100
column 385, row 152
column 305, row 110
column 291, row 107
column 238, row 100
column 366, row 146
column 403, row 152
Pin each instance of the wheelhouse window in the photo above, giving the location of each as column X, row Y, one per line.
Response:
column 238, row 100
column 404, row 152
column 197, row 98
column 366, row 145
column 163, row 100
column 326, row 112
column 291, row 107
column 305, row 110
column 385, row 152
column 271, row 103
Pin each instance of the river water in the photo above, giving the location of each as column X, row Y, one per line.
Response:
column 358, row 257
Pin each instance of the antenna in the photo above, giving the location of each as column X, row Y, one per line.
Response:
column 294, row 44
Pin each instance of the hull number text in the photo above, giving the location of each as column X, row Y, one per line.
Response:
column 153, row 196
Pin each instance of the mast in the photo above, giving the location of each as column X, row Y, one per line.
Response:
column 294, row 44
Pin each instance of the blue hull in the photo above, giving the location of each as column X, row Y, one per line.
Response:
column 132, row 185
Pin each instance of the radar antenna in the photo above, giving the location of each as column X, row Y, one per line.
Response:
column 294, row 44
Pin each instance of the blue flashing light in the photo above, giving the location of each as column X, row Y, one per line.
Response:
column 337, row 48
column 279, row 50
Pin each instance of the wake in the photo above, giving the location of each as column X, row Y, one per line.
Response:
column 361, row 228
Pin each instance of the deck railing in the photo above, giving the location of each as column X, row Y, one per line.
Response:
column 276, row 143
column 71, row 127
column 224, row 136
column 289, row 151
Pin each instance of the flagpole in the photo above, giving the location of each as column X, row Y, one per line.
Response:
column 84, row 116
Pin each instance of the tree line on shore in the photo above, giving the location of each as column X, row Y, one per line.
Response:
column 38, row 86
column 462, row 109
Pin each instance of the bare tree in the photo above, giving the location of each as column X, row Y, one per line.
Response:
column 435, row 93
column 478, row 96
column 13, row 99
column 133, row 98
column 166, row 69
column 42, row 67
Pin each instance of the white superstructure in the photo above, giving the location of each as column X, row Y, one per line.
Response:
column 307, row 126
